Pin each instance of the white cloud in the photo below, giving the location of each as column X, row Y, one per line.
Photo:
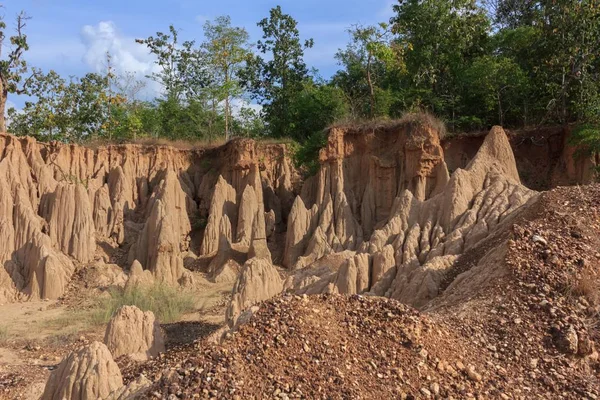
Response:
column 126, row 54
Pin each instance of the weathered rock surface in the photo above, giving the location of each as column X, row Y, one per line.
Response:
column 57, row 202
column 259, row 280
column 134, row 333
column 417, row 239
column 86, row 374
column 68, row 213
column 166, row 232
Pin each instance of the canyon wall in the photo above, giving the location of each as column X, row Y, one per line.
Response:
column 67, row 206
column 390, row 210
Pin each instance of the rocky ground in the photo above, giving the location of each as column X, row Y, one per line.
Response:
column 503, row 280
column 531, row 334
column 40, row 334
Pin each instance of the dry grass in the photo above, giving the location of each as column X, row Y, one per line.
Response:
column 179, row 144
column 72, row 322
column 587, row 285
column 424, row 118
column 410, row 119
column 167, row 303
column 3, row 333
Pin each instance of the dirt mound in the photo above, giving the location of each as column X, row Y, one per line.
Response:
column 327, row 347
column 521, row 325
column 134, row 333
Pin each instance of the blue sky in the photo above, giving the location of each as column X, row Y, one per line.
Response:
column 72, row 36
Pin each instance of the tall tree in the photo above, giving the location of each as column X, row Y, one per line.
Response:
column 365, row 60
column 571, row 42
column 440, row 38
column 12, row 64
column 227, row 48
column 277, row 80
column 182, row 68
column 69, row 111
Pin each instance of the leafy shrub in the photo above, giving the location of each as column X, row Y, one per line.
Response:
column 587, row 138
column 306, row 155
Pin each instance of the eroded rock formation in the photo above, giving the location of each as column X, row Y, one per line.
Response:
column 362, row 173
column 259, row 280
column 432, row 220
column 65, row 206
column 87, row 374
column 134, row 333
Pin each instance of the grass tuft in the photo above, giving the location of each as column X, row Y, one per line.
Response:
column 166, row 302
column 413, row 119
column 3, row 333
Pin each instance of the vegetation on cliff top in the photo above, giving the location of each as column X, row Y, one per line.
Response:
column 472, row 63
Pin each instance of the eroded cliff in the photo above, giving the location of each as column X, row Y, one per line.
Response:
column 67, row 206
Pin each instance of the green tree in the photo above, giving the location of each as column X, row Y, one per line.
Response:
column 127, row 113
column 317, row 106
column 227, row 48
column 496, row 85
column 571, row 41
column 182, row 72
column 365, row 60
column 12, row 66
column 277, row 80
column 68, row 111
column 515, row 13
column 439, row 39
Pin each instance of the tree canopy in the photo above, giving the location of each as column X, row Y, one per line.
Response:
column 473, row 63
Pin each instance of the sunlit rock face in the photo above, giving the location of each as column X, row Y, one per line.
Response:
column 388, row 220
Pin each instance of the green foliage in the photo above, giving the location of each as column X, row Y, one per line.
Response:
column 587, row 136
column 519, row 63
column 497, row 86
column 226, row 49
column 314, row 108
column 181, row 66
column 276, row 80
column 13, row 67
column 439, row 38
column 68, row 111
column 306, row 155
column 367, row 59
column 167, row 303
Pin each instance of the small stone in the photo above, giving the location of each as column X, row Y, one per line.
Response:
column 473, row 375
column 539, row 239
column 533, row 362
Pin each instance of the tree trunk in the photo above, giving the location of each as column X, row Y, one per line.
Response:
column 3, row 99
column 564, row 98
column 500, row 114
column 226, row 106
column 371, row 90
